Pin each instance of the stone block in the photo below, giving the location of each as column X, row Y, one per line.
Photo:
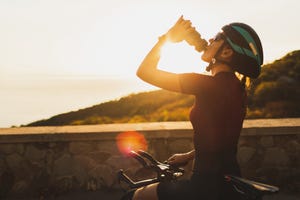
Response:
column 2, row 165
column 64, row 184
column 34, row 154
column 108, row 146
column 62, row 166
column 99, row 156
column 20, row 187
column 85, row 162
column 14, row 161
column 180, row 145
column 7, row 148
column 293, row 146
column 78, row 148
column 245, row 154
column 7, row 181
column 80, row 173
column 276, row 157
column 242, row 141
column 102, row 176
column 267, row 141
column 20, row 167
column 159, row 148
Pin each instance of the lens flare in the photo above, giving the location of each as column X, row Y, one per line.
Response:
column 131, row 141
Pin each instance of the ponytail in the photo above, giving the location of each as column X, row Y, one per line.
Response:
column 245, row 81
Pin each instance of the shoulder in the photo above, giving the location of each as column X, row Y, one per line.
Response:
column 195, row 76
column 193, row 83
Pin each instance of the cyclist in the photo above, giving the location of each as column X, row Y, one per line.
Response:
column 218, row 112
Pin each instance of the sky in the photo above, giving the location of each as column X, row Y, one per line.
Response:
column 96, row 39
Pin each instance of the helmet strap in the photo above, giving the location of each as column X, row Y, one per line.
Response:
column 214, row 60
column 211, row 64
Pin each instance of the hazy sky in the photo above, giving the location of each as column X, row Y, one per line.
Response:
column 96, row 37
column 62, row 55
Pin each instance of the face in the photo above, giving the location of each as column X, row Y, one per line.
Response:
column 214, row 44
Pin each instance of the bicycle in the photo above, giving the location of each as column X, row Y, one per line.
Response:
column 248, row 190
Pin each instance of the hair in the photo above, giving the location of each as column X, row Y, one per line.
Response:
column 245, row 81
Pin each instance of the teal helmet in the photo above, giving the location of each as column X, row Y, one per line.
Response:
column 244, row 41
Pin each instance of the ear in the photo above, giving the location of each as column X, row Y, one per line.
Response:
column 226, row 53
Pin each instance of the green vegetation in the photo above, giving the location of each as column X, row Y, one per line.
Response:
column 275, row 94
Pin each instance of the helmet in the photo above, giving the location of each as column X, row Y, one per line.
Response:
column 247, row 47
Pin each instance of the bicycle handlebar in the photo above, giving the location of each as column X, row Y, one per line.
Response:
column 132, row 184
column 138, row 158
column 148, row 156
column 167, row 172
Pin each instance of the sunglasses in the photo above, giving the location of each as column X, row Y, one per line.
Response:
column 218, row 37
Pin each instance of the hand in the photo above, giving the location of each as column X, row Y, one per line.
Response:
column 179, row 31
column 179, row 159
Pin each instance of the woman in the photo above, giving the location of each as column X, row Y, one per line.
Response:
column 219, row 110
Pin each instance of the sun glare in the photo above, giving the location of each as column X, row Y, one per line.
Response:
column 131, row 141
column 180, row 58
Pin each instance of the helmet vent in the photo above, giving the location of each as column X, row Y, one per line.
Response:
column 251, row 45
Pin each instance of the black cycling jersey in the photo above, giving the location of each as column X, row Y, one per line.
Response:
column 217, row 117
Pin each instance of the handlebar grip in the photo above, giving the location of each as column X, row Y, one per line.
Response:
column 138, row 158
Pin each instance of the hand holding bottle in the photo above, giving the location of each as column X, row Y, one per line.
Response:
column 179, row 31
column 183, row 30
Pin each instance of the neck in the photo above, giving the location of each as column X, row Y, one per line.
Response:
column 220, row 67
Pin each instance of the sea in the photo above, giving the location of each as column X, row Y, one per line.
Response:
column 25, row 100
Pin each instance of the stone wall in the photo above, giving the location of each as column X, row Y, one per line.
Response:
column 43, row 161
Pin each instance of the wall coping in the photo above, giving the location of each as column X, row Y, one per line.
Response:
column 284, row 126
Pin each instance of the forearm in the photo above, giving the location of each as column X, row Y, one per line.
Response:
column 191, row 154
column 150, row 62
column 148, row 70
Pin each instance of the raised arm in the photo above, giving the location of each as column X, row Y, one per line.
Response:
column 148, row 70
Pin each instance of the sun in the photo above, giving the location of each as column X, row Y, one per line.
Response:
column 181, row 58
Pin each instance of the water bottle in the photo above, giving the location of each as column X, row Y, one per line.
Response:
column 194, row 39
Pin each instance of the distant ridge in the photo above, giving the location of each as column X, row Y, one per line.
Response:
column 275, row 94
column 160, row 105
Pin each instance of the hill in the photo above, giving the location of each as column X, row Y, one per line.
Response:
column 157, row 105
column 275, row 94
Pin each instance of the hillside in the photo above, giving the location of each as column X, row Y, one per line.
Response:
column 275, row 94
column 157, row 105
